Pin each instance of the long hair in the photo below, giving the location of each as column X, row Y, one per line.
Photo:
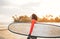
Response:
column 34, row 16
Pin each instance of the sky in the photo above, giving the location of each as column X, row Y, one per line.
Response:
column 9, row 8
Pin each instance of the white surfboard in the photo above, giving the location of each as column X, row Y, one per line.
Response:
column 39, row 30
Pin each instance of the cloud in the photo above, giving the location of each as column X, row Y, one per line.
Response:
column 31, row 4
column 4, row 2
column 9, row 8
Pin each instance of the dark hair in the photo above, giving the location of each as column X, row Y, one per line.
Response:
column 34, row 16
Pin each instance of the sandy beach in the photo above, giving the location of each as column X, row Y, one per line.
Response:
column 5, row 34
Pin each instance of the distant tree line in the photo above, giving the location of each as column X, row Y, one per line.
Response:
column 57, row 19
column 28, row 19
column 21, row 19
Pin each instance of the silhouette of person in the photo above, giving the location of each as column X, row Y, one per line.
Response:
column 34, row 20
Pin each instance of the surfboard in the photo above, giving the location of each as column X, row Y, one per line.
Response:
column 41, row 30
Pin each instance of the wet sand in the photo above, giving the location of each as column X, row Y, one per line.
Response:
column 5, row 34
